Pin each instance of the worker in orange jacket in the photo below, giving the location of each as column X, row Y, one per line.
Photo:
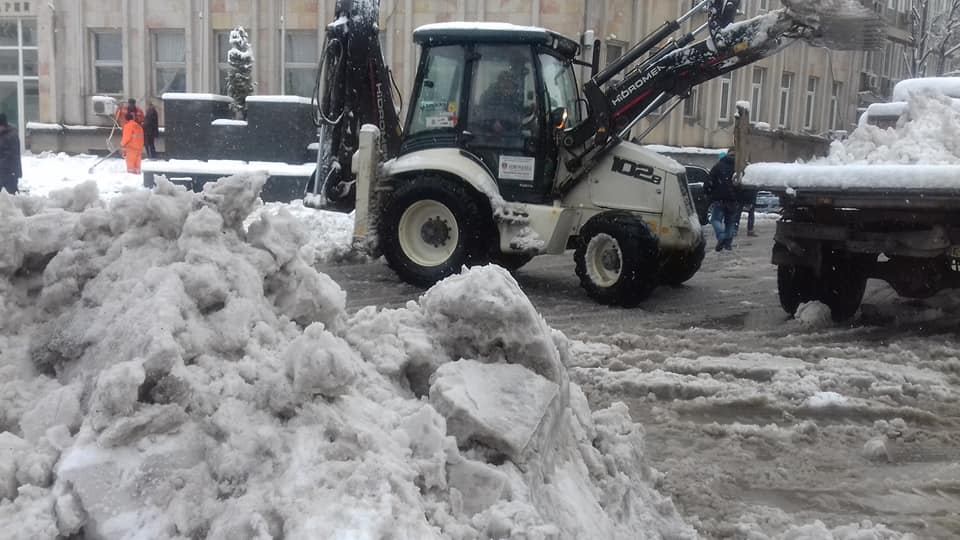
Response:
column 132, row 144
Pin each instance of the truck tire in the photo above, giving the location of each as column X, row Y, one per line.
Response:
column 431, row 227
column 617, row 259
column 511, row 261
column 678, row 269
column 795, row 285
column 841, row 286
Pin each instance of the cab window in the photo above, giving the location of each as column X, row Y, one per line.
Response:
column 561, row 85
column 438, row 99
column 503, row 104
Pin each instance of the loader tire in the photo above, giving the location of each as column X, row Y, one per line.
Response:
column 617, row 259
column 433, row 226
column 680, row 268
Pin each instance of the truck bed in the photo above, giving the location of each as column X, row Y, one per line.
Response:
column 894, row 187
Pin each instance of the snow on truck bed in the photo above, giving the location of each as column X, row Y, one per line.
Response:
column 921, row 153
column 167, row 371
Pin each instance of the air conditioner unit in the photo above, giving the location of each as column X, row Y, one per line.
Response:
column 104, row 105
column 873, row 81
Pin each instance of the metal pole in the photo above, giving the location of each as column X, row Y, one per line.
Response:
column 692, row 12
column 661, row 119
column 643, row 114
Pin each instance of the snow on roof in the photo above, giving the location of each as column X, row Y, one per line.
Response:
column 227, row 167
column 228, row 122
column 280, row 99
column 895, row 108
column 69, row 127
column 171, row 96
column 468, row 25
column 948, row 86
column 39, row 126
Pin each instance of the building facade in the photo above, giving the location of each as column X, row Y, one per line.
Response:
column 56, row 55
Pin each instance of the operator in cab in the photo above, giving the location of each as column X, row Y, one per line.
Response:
column 501, row 106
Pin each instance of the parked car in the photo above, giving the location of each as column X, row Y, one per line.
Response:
column 768, row 203
column 696, row 176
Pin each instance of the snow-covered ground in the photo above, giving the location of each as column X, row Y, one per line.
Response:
column 205, row 366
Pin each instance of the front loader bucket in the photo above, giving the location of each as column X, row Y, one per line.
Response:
column 844, row 25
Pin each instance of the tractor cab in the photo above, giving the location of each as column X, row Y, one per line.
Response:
column 499, row 93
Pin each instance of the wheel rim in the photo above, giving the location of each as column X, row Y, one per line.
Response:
column 428, row 233
column 604, row 260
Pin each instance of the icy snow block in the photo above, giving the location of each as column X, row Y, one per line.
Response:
column 60, row 407
column 480, row 484
column 483, row 313
column 502, row 406
column 320, row 363
column 11, row 447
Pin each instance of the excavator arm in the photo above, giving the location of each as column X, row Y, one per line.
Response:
column 670, row 72
column 354, row 87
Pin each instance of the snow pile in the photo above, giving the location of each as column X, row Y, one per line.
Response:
column 921, row 152
column 928, row 134
column 167, row 372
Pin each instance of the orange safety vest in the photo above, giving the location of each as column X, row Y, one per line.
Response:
column 122, row 114
column 132, row 136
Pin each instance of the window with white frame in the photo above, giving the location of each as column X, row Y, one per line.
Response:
column 18, row 59
column 726, row 95
column 809, row 114
column 221, row 65
column 756, row 92
column 835, row 94
column 764, row 5
column 108, row 63
column 786, row 85
column 615, row 50
column 169, row 62
column 691, row 105
column 300, row 62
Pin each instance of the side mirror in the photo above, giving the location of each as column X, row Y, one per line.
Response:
column 558, row 118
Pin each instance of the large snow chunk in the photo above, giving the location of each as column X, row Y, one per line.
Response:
column 320, row 363
column 60, row 407
column 307, row 296
column 483, row 313
column 116, row 392
column 31, row 515
column 11, row 447
column 235, row 197
column 281, row 234
column 481, row 485
column 499, row 405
